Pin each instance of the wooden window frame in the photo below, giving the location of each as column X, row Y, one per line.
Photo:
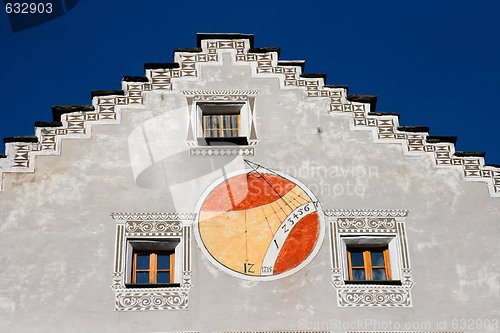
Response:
column 221, row 129
column 153, row 266
column 367, row 262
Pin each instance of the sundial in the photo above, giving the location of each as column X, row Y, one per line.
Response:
column 259, row 224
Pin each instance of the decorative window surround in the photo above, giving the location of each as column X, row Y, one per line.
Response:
column 247, row 128
column 386, row 225
column 143, row 226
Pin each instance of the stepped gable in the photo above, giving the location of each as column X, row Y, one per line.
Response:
column 77, row 121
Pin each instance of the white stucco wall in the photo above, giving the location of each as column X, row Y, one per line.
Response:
column 57, row 236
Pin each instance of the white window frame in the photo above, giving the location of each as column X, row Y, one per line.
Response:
column 244, row 122
column 248, row 127
column 151, row 247
column 392, row 243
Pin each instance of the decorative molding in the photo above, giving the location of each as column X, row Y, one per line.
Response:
column 138, row 226
column 368, row 296
column 370, row 223
column 364, row 225
column 153, row 228
column 154, row 216
column 21, row 156
column 153, row 299
column 220, row 94
column 222, row 151
column 367, row 213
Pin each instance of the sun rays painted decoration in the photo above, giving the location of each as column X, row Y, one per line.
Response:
column 259, row 224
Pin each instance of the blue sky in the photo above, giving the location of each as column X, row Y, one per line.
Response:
column 437, row 63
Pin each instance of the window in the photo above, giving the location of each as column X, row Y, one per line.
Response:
column 370, row 260
column 153, row 267
column 151, row 262
column 222, row 124
column 368, row 264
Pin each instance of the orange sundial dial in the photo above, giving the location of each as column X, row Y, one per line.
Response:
column 259, row 224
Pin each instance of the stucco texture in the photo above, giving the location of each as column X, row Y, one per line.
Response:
column 57, row 237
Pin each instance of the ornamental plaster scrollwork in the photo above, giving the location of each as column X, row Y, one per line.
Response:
column 370, row 223
column 161, row 226
column 20, row 156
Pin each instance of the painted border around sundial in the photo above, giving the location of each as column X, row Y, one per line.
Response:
column 221, row 266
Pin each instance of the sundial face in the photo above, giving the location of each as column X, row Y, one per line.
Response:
column 259, row 224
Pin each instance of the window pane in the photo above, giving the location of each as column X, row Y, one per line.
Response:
column 379, row 274
column 164, row 261
column 215, row 126
column 142, row 277
column 377, row 258
column 357, row 259
column 358, row 274
column 206, row 126
column 142, row 261
column 227, row 121
column 163, row 277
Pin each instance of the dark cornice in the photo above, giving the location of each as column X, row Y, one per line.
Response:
column 299, row 63
column 204, row 35
column 370, row 99
column 99, row 93
column 265, row 50
column 380, row 114
column 470, row 153
column 161, row 65
column 441, row 139
column 414, row 129
column 20, row 139
column 59, row 110
column 135, row 79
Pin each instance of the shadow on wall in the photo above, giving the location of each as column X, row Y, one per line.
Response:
column 160, row 159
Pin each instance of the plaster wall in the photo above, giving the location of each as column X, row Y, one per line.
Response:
column 57, row 236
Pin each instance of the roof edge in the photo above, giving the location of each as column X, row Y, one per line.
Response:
column 215, row 35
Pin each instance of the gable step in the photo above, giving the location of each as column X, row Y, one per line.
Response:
column 370, row 99
column 59, row 110
column 206, row 35
column 298, row 63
